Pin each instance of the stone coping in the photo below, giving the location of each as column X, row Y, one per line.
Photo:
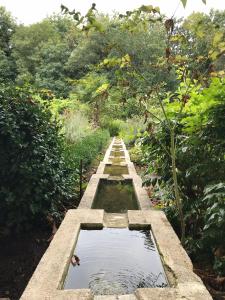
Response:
column 109, row 150
column 91, row 190
column 48, row 278
column 129, row 165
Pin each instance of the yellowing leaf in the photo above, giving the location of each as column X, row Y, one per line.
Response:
column 146, row 8
column 105, row 61
column 184, row 2
column 103, row 88
column 200, row 58
column 157, row 9
column 214, row 74
column 177, row 38
column 221, row 73
column 217, row 38
column 214, row 55
column 127, row 58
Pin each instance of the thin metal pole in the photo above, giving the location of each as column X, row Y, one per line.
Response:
column 81, row 178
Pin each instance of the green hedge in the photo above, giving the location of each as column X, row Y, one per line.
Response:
column 113, row 126
column 38, row 167
column 34, row 179
column 86, row 149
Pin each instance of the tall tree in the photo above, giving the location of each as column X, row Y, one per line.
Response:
column 7, row 63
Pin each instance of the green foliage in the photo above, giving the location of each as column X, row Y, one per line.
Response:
column 136, row 155
column 203, row 42
column 41, row 51
column 7, row 28
column 87, row 88
column 76, row 126
column 50, row 73
column 200, row 165
column 93, row 89
column 28, row 40
column 86, row 149
column 213, row 230
column 58, row 106
column 138, row 75
column 88, row 21
column 113, row 126
column 131, row 129
column 8, row 69
column 199, row 107
column 184, row 2
column 35, row 182
column 88, row 52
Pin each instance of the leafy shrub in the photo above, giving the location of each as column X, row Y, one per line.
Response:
column 114, row 127
column 34, row 180
column 131, row 129
column 200, row 166
column 86, row 149
column 76, row 126
column 136, row 154
column 214, row 224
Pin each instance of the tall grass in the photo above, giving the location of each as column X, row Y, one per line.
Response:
column 86, row 149
column 131, row 128
column 76, row 126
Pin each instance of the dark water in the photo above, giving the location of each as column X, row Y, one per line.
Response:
column 116, row 261
column 117, row 160
column 117, row 153
column 115, row 170
column 117, row 147
column 115, row 196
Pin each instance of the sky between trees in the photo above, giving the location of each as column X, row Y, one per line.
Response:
column 28, row 12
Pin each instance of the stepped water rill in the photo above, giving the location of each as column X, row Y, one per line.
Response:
column 115, row 245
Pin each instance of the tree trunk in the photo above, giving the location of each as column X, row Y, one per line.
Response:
column 176, row 187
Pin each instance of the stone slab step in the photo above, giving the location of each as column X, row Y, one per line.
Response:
column 115, row 220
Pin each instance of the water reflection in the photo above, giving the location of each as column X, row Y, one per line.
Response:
column 117, row 153
column 148, row 240
column 116, row 261
column 115, row 196
column 115, row 170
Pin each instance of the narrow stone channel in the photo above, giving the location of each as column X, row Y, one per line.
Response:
column 115, row 187
column 125, row 259
column 115, row 245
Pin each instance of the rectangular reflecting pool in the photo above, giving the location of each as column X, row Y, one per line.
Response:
column 115, row 261
column 117, row 153
column 115, row 196
column 117, row 160
column 117, row 147
column 115, row 170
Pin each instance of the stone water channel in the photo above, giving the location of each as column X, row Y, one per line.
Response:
column 115, row 245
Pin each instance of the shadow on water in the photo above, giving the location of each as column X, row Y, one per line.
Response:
column 117, row 153
column 115, row 196
column 117, row 160
column 116, row 261
column 117, row 148
column 115, row 170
